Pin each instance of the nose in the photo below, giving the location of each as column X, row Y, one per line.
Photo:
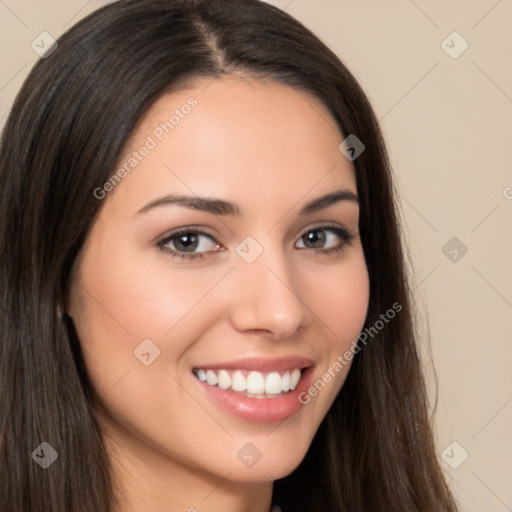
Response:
column 267, row 296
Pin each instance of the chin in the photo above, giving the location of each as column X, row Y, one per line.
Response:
column 273, row 462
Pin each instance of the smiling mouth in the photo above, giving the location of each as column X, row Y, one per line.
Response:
column 252, row 384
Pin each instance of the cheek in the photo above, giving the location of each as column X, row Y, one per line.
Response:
column 121, row 301
column 121, row 304
column 340, row 299
column 125, row 296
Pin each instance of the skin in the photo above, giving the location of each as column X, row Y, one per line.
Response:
column 271, row 149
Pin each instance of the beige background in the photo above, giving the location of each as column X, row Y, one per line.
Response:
column 448, row 124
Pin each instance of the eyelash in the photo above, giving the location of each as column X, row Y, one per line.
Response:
column 340, row 232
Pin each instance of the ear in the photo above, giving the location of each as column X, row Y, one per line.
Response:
column 66, row 308
column 67, row 305
column 61, row 311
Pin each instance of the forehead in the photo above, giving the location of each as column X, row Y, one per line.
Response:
column 254, row 141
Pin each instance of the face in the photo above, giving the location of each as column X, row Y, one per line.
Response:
column 204, row 325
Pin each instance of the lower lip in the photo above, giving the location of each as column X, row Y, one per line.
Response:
column 259, row 410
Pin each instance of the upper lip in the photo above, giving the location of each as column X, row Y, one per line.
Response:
column 261, row 364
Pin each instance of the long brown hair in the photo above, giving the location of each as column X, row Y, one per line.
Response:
column 375, row 449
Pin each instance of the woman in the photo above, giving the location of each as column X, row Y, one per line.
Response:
column 204, row 298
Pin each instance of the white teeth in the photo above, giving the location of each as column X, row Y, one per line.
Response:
column 238, row 382
column 273, row 383
column 255, row 384
column 285, row 382
column 224, row 379
column 294, row 378
column 211, row 378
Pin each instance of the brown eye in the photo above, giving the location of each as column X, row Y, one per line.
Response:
column 317, row 238
column 184, row 243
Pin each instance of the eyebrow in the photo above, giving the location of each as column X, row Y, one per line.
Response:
column 227, row 208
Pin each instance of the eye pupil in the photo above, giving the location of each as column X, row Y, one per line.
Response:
column 316, row 237
column 190, row 242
